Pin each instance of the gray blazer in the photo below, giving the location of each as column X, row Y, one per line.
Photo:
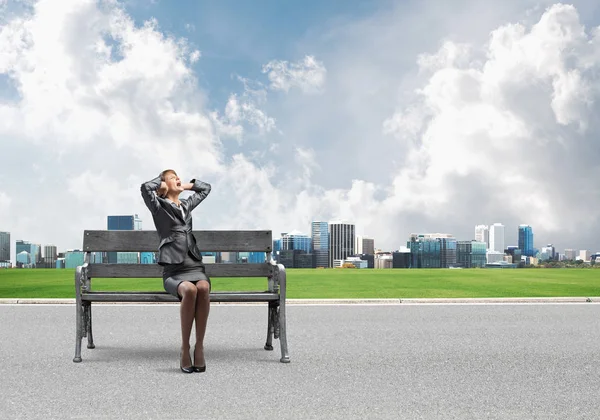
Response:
column 175, row 232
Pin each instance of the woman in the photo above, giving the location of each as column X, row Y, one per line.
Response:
column 183, row 272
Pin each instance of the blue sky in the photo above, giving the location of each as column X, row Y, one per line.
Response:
column 399, row 116
column 238, row 37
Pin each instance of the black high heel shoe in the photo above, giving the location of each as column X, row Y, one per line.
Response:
column 198, row 368
column 185, row 369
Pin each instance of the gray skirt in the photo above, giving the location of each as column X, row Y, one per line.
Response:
column 190, row 270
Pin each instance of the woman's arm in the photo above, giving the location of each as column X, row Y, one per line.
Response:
column 201, row 190
column 149, row 190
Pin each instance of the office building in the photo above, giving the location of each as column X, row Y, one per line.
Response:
column 526, row 240
column 33, row 253
column 401, row 258
column 496, row 237
column 447, row 252
column 363, row 245
column 341, row 241
column 4, row 247
column 548, row 253
column 128, row 222
column 23, row 259
column 570, row 254
column 294, row 250
column 50, row 254
column 320, row 242
column 384, row 260
column 515, row 253
column 493, row 257
column 74, row 258
column 584, row 255
column 296, row 240
column 471, row 254
column 482, row 234
column 425, row 251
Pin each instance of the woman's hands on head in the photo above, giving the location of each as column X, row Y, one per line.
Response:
column 162, row 190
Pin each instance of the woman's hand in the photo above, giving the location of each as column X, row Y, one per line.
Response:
column 187, row 186
column 162, row 190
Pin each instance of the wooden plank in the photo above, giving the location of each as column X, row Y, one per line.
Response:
column 155, row 270
column 165, row 297
column 207, row 240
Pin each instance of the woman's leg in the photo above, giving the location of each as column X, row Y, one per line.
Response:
column 202, row 310
column 188, row 293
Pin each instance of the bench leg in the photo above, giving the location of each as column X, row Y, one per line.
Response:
column 88, row 309
column 285, row 357
column 78, row 331
column 270, row 319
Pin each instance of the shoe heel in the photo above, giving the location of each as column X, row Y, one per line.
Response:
column 185, row 369
column 199, row 369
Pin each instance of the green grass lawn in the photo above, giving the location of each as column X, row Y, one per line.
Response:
column 342, row 283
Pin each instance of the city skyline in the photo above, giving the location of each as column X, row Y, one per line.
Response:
column 302, row 111
column 321, row 233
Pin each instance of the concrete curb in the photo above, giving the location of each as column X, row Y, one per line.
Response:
column 420, row 301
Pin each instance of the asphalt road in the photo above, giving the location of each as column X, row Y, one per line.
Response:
column 506, row 361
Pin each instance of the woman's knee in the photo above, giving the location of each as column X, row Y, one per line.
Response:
column 203, row 288
column 187, row 289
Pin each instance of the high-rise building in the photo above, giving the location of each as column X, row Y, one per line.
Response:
column 425, row 250
column 290, row 241
column 497, row 237
column 526, row 240
column 32, row 251
column 50, row 255
column 482, row 234
column 447, row 252
column 471, row 254
column 292, row 246
column 363, row 245
column 4, row 247
column 570, row 254
column 132, row 222
column 23, row 259
column 320, row 242
column 584, row 255
column 341, row 241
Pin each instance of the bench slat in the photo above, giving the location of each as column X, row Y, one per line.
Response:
column 155, row 270
column 207, row 240
column 165, row 297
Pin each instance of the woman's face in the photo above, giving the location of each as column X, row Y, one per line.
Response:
column 173, row 182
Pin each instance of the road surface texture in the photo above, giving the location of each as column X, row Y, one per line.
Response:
column 492, row 361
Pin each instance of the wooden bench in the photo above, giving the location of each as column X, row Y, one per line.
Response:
column 208, row 240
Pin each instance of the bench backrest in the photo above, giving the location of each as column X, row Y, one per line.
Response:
column 207, row 241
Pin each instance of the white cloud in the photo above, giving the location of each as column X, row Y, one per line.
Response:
column 243, row 113
column 501, row 119
column 194, row 56
column 474, row 132
column 308, row 74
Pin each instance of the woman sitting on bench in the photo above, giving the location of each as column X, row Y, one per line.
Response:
column 183, row 272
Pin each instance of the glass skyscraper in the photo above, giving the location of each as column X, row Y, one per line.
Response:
column 424, row 252
column 526, row 240
column 33, row 251
column 4, row 246
column 471, row 254
column 296, row 241
column 320, row 243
